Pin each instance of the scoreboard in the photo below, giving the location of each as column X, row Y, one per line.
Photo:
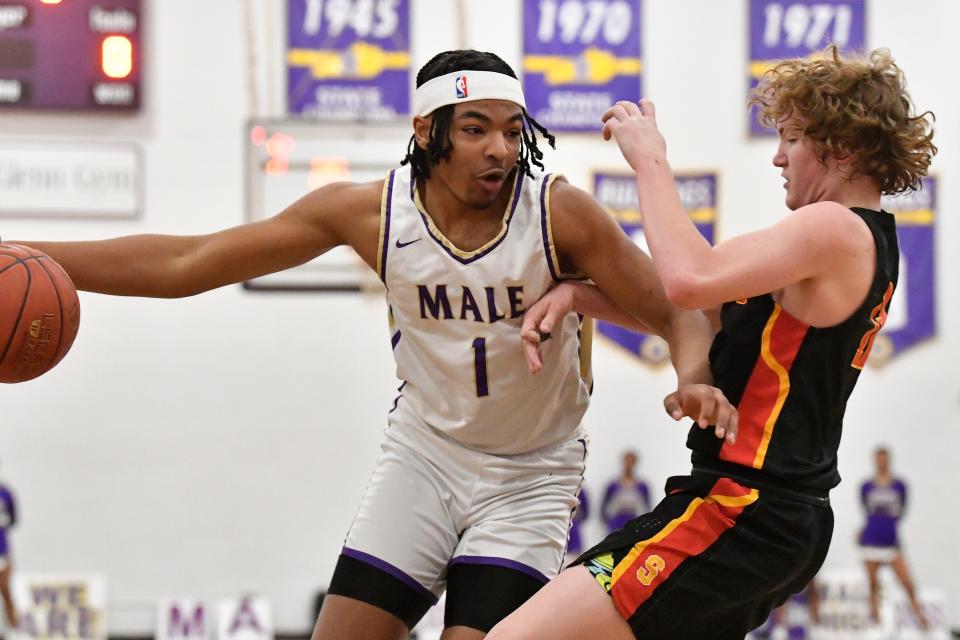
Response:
column 74, row 55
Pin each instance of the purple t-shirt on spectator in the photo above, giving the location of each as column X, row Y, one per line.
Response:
column 884, row 504
column 8, row 517
column 622, row 503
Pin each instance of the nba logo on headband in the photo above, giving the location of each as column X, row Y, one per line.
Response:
column 483, row 85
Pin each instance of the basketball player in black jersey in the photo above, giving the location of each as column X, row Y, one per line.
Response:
column 802, row 302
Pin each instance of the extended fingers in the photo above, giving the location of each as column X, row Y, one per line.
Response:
column 622, row 110
column 616, row 111
column 646, row 107
column 708, row 406
column 721, row 414
column 549, row 320
column 673, row 406
column 531, row 353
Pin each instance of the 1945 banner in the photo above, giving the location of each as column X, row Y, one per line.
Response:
column 912, row 315
column 348, row 59
column 795, row 29
column 617, row 191
column 579, row 57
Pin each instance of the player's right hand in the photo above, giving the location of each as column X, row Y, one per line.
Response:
column 634, row 127
column 708, row 406
column 540, row 319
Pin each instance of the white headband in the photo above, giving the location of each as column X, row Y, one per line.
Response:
column 466, row 86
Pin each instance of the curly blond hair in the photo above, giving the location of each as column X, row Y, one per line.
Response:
column 852, row 108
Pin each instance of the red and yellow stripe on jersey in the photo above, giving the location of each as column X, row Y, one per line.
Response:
column 767, row 389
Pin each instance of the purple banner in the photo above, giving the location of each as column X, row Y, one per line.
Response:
column 797, row 28
column 348, row 59
column 911, row 318
column 617, row 192
column 579, row 57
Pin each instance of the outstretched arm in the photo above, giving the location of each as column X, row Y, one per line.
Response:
column 165, row 266
column 568, row 296
column 589, row 241
column 697, row 275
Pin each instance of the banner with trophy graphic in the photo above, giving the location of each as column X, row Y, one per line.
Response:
column 912, row 315
column 348, row 59
column 798, row 28
column 579, row 57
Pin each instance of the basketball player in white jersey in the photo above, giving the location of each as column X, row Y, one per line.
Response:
column 480, row 466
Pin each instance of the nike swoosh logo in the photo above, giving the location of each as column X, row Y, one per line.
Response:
column 401, row 245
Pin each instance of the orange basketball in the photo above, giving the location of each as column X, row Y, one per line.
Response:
column 39, row 313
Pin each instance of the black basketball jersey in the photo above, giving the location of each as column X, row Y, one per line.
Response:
column 790, row 381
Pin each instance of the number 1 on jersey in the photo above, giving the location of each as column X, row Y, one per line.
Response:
column 480, row 364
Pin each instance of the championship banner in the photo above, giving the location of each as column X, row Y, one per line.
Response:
column 61, row 607
column 911, row 318
column 349, row 59
column 579, row 57
column 797, row 28
column 617, row 191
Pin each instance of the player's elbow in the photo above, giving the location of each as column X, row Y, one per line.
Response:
column 182, row 277
column 684, row 289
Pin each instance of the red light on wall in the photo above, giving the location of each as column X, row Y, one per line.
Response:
column 117, row 56
column 258, row 135
column 50, row 1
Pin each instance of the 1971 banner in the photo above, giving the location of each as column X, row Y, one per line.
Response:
column 795, row 29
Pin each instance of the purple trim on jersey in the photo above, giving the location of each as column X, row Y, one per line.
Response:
column 386, row 229
column 396, row 400
column 390, row 569
column 395, row 339
column 513, row 208
column 501, row 562
column 543, row 228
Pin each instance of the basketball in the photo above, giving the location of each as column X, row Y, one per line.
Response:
column 39, row 313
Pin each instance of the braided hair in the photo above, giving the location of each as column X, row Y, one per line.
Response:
column 439, row 145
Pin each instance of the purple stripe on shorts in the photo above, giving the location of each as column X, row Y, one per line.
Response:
column 390, row 569
column 501, row 562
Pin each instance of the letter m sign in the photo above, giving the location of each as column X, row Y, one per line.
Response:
column 182, row 619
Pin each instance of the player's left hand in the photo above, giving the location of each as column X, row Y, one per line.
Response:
column 540, row 319
column 634, row 127
column 708, row 406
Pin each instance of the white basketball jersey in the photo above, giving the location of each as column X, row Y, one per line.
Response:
column 455, row 323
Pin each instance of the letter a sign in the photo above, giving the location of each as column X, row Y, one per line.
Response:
column 246, row 618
